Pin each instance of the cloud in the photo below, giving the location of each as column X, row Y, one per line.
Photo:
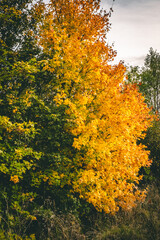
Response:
column 135, row 60
column 127, row 3
column 135, row 27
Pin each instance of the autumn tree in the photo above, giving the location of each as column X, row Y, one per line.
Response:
column 104, row 116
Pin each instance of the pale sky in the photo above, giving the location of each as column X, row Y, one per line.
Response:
column 135, row 28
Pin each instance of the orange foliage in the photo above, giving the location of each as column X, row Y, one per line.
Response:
column 105, row 116
column 14, row 179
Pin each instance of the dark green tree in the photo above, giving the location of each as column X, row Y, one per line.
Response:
column 152, row 141
column 17, row 131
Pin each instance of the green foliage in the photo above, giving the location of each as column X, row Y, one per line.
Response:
column 151, row 79
column 16, row 212
column 17, row 132
column 152, row 141
column 148, row 79
column 35, row 149
column 134, row 74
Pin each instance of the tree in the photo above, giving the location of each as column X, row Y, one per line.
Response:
column 148, row 82
column 17, row 155
column 151, row 79
column 148, row 79
column 104, row 117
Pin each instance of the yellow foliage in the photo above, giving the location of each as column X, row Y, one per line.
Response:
column 106, row 116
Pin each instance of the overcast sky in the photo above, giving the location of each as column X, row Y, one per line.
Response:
column 135, row 28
